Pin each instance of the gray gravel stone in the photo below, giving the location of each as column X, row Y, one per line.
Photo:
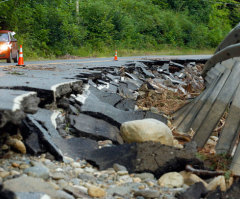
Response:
column 75, row 181
column 63, row 195
column 62, row 183
column 123, row 189
column 118, row 167
column 86, row 177
column 58, row 176
column 145, row 176
column 38, row 171
column 29, row 184
column 31, row 195
column 147, row 193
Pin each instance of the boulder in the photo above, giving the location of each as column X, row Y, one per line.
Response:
column 233, row 192
column 217, row 181
column 171, row 180
column 190, row 178
column 146, row 130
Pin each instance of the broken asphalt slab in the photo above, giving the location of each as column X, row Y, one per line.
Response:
column 48, row 84
column 91, row 105
column 145, row 157
column 96, row 129
column 41, row 136
column 15, row 104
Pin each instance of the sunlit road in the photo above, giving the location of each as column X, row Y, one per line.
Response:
column 107, row 61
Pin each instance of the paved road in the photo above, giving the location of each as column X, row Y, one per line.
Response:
column 87, row 61
column 48, row 80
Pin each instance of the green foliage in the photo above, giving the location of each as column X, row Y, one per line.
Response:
column 54, row 28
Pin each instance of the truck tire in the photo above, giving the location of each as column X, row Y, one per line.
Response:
column 16, row 58
column 9, row 60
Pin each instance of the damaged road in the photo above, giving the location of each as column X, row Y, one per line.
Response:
column 75, row 111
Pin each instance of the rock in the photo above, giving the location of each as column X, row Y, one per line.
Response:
column 123, row 189
column 105, row 143
column 62, row 183
column 146, row 130
column 17, row 144
column 97, row 192
column 86, row 177
column 14, row 164
column 78, row 171
column 122, row 173
column 38, row 171
column 196, row 191
column 145, row 176
column 118, row 167
column 4, row 174
column 56, row 187
column 75, row 181
column 76, row 165
column 14, row 173
column 124, row 179
column 151, row 183
column 32, row 195
column 75, row 192
column 5, row 147
column 68, row 159
column 81, row 189
column 147, row 193
column 148, row 156
column 24, row 166
column 217, row 181
column 137, row 180
column 63, row 195
column 171, row 180
column 190, row 178
column 89, row 170
column 30, row 184
column 233, row 192
column 58, row 176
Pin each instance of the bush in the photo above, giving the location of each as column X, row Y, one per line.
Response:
column 54, row 28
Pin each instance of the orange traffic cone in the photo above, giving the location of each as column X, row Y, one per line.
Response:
column 116, row 58
column 20, row 58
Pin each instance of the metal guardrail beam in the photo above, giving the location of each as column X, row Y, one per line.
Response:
column 225, row 54
column 232, row 38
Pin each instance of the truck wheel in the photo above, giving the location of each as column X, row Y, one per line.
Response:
column 9, row 60
column 16, row 59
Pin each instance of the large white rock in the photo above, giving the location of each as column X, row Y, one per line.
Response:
column 190, row 178
column 171, row 180
column 217, row 181
column 146, row 130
